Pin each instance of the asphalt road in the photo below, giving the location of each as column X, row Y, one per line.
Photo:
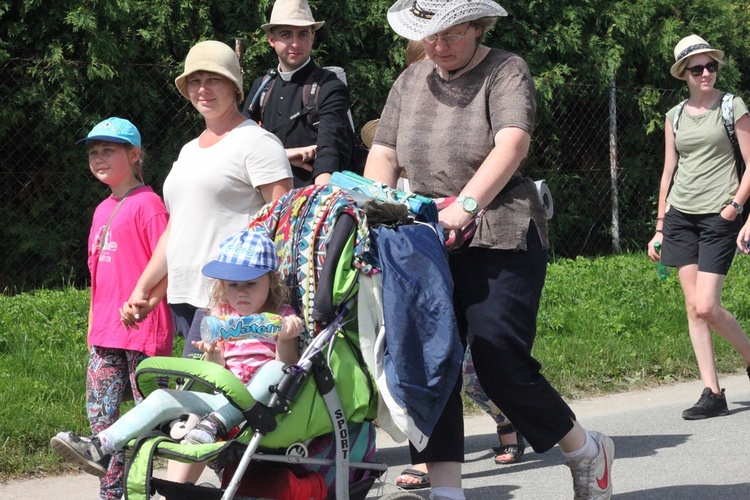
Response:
column 658, row 454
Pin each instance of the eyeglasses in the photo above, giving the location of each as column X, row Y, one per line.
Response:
column 448, row 38
column 712, row 67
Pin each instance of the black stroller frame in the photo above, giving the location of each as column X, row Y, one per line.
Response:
column 262, row 417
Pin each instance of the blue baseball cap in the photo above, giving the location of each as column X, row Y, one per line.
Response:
column 244, row 256
column 113, row 129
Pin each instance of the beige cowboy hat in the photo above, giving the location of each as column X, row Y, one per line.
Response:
column 690, row 46
column 214, row 57
column 291, row 13
column 416, row 19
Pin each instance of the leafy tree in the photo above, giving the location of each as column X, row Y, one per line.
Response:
column 68, row 64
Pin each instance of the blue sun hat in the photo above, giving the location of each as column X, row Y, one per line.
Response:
column 244, row 256
column 114, row 129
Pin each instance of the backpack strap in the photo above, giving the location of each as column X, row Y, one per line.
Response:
column 310, row 95
column 677, row 114
column 256, row 105
column 727, row 116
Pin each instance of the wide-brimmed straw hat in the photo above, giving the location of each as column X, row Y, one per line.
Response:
column 215, row 57
column 368, row 133
column 291, row 13
column 690, row 46
column 416, row 19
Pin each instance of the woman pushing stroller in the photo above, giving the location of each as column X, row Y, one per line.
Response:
column 247, row 282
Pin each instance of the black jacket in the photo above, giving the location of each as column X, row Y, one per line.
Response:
column 334, row 136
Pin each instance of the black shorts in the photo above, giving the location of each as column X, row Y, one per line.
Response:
column 708, row 240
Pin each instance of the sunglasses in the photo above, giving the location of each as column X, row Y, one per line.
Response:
column 712, row 67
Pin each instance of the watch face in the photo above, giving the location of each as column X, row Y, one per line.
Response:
column 469, row 204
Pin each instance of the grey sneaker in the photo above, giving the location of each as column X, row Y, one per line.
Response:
column 592, row 477
column 209, row 430
column 709, row 405
column 85, row 452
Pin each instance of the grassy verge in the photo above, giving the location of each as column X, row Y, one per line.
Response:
column 605, row 325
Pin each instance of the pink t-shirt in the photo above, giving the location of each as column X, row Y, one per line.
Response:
column 245, row 357
column 116, row 260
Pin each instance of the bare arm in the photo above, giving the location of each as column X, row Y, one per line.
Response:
column 511, row 147
column 154, row 274
column 382, row 165
column 742, row 129
column 670, row 163
column 272, row 191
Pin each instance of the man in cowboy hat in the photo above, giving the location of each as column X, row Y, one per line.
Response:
column 305, row 106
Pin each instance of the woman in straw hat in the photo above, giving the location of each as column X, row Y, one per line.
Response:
column 481, row 105
column 218, row 182
column 698, row 218
column 511, row 447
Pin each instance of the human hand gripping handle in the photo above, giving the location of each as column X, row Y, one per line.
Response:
column 455, row 237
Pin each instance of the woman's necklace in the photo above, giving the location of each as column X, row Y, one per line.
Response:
column 454, row 72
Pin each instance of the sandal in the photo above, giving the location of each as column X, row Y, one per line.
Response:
column 514, row 450
column 423, row 477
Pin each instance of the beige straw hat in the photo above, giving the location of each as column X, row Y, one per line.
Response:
column 416, row 19
column 368, row 133
column 690, row 46
column 215, row 57
column 291, row 13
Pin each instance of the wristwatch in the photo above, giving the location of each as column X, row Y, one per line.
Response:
column 469, row 204
column 737, row 206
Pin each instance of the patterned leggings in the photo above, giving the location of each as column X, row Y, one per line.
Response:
column 474, row 391
column 107, row 378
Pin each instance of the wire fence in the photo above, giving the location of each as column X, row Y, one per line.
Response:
column 603, row 180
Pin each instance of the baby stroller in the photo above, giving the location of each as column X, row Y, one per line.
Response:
column 323, row 244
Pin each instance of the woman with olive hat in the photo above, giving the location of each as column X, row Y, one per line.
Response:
column 217, row 184
column 698, row 218
column 481, row 105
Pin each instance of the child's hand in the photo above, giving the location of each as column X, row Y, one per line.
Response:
column 291, row 328
column 214, row 350
column 287, row 345
column 130, row 315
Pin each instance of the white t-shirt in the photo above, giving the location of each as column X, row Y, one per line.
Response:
column 211, row 193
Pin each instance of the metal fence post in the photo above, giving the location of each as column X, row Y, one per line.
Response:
column 613, row 163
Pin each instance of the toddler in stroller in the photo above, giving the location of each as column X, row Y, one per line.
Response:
column 247, row 283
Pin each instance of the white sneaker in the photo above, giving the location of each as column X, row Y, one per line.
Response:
column 592, row 477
